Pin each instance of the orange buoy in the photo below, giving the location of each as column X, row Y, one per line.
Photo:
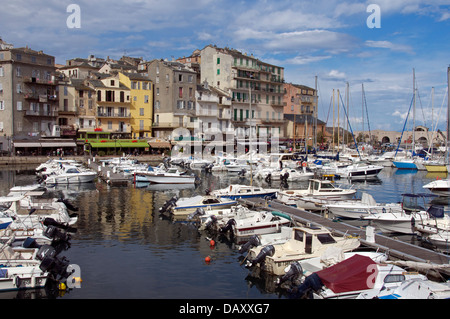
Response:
column 212, row 242
column 207, row 259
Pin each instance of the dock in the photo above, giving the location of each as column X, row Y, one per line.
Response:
column 394, row 247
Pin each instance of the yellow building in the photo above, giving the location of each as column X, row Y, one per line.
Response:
column 141, row 109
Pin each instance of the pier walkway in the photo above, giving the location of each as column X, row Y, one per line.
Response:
column 394, row 247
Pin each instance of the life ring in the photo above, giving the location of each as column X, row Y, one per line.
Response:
column 299, row 163
column 304, row 164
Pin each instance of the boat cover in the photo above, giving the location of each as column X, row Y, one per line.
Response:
column 355, row 273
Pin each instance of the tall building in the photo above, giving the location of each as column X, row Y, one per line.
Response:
column 28, row 94
column 113, row 105
column 174, row 97
column 141, row 109
column 255, row 88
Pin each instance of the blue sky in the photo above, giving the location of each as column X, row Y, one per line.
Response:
column 328, row 39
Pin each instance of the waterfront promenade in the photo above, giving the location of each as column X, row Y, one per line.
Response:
column 36, row 160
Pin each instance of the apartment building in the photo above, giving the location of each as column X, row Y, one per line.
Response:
column 28, row 95
column 255, row 88
column 174, row 97
column 113, row 104
column 141, row 108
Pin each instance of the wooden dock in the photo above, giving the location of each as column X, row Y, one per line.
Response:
column 394, row 247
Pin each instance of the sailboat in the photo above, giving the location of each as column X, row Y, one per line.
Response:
column 409, row 163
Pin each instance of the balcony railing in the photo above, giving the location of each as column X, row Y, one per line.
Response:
column 114, row 115
column 41, row 113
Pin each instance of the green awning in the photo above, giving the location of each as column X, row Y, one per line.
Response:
column 135, row 144
column 105, row 145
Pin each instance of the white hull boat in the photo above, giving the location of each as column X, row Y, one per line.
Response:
column 71, row 175
column 359, row 208
column 236, row 191
column 305, row 243
column 440, row 187
column 185, row 206
column 359, row 171
column 169, row 176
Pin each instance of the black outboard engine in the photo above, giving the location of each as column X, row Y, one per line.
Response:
column 254, row 241
column 211, row 221
column 51, row 263
column 242, row 173
column 293, row 275
column 198, row 212
column 268, row 178
column 169, row 204
column 228, row 226
column 269, row 250
column 312, row 283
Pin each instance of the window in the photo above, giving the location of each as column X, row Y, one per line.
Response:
column 180, row 92
column 19, row 88
column 218, row 60
column 141, row 111
column 1, row 88
column 141, row 125
column 190, row 78
column 145, row 98
column 1, row 71
column 180, row 77
column 109, row 125
column 218, row 71
column 18, row 71
column 18, row 56
column 19, row 105
column 66, row 91
column 158, row 105
column 2, row 105
column 33, row 59
column 112, row 82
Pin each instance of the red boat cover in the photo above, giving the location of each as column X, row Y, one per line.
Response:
column 355, row 273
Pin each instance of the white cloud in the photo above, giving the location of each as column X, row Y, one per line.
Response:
column 301, row 59
column 336, row 75
column 389, row 45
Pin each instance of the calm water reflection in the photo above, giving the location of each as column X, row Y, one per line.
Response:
column 127, row 250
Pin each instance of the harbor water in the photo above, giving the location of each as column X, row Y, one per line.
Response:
column 126, row 249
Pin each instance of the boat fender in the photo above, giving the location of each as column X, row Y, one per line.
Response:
column 18, row 282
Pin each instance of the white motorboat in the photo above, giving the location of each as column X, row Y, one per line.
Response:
column 351, row 277
column 439, row 187
column 236, row 191
column 358, row 208
column 319, row 189
column 435, row 229
column 301, row 173
column 358, row 171
column 70, row 175
column 246, row 224
column 403, row 221
column 169, row 176
column 185, row 206
column 305, row 243
column 417, row 288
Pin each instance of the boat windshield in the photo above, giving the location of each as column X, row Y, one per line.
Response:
column 326, row 239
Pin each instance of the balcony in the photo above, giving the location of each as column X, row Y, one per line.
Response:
column 31, row 80
column 41, row 113
column 113, row 115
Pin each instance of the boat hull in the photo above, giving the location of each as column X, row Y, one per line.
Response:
column 405, row 165
column 71, row 179
column 171, row 179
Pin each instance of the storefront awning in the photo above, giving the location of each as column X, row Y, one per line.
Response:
column 27, row 144
column 160, row 144
column 59, row 144
column 138, row 144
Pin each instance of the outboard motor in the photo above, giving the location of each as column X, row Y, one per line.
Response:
column 169, row 204
column 268, row 178
column 198, row 212
column 269, row 250
column 51, row 222
column 242, row 173
column 312, row 283
column 254, row 241
column 293, row 274
column 228, row 226
column 210, row 222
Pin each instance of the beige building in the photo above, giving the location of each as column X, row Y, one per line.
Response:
column 255, row 88
column 28, row 96
column 113, row 103
column 175, row 85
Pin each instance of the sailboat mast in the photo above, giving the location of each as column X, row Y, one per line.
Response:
column 448, row 115
column 414, row 113
column 362, row 109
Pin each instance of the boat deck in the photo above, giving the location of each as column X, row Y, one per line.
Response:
column 396, row 248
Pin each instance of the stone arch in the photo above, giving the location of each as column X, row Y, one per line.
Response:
column 385, row 140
